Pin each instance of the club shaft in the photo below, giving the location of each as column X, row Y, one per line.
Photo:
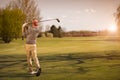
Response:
column 47, row 20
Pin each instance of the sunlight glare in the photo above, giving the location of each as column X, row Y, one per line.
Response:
column 112, row 28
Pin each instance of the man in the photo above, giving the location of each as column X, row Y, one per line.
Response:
column 31, row 34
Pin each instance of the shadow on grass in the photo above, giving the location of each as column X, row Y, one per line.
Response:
column 80, row 57
column 77, row 58
column 10, row 75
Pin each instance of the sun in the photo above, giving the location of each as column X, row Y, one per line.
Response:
column 112, row 28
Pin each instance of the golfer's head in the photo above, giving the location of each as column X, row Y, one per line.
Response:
column 35, row 22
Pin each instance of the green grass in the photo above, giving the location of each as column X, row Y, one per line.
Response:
column 81, row 58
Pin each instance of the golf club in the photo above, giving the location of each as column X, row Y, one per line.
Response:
column 50, row 20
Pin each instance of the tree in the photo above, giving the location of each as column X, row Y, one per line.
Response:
column 54, row 31
column 11, row 22
column 60, row 32
column 28, row 7
column 117, row 14
column 57, row 32
column 1, row 12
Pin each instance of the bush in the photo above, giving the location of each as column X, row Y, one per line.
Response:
column 49, row 35
column 43, row 35
column 11, row 22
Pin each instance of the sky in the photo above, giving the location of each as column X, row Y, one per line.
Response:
column 77, row 15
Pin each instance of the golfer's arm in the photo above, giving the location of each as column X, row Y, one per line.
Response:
column 23, row 27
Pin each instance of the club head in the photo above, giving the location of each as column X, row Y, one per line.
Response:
column 58, row 20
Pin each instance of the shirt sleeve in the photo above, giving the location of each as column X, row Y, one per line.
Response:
column 24, row 26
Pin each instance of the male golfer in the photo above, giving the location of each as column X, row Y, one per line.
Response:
column 31, row 34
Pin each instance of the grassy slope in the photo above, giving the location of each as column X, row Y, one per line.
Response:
column 86, row 58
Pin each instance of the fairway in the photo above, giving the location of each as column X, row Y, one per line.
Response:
column 79, row 58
